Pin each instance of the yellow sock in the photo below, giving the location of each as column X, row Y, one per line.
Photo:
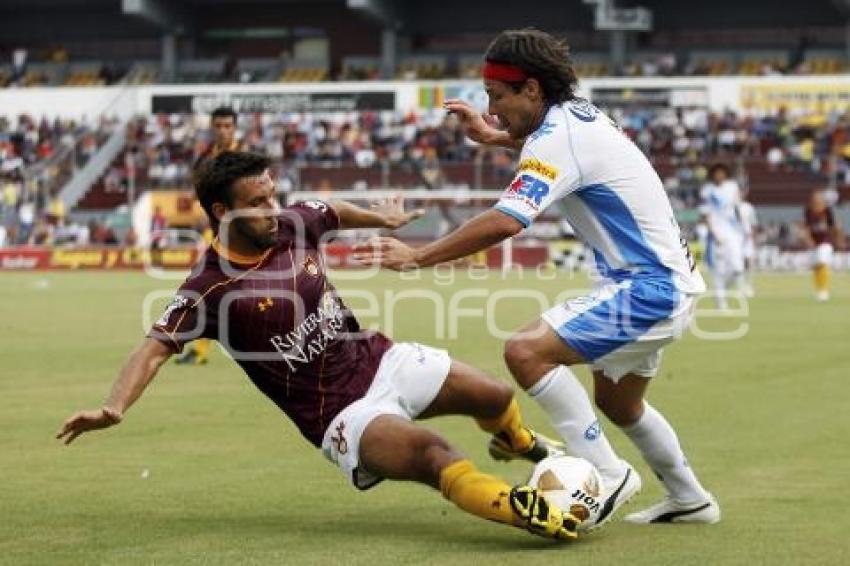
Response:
column 509, row 423
column 202, row 348
column 822, row 277
column 476, row 493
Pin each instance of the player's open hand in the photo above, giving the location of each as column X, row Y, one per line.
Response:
column 392, row 209
column 84, row 421
column 477, row 126
column 386, row 252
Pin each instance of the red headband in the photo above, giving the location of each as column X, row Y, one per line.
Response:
column 504, row 72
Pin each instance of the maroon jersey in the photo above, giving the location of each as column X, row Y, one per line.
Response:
column 820, row 225
column 281, row 320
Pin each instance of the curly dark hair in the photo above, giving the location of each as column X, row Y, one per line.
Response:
column 214, row 180
column 542, row 57
column 719, row 166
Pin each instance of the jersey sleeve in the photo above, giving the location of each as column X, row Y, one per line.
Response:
column 546, row 172
column 184, row 319
column 317, row 218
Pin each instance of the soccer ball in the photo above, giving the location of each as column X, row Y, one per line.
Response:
column 573, row 484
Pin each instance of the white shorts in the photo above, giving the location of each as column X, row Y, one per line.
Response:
column 822, row 255
column 622, row 327
column 725, row 259
column 408, row 379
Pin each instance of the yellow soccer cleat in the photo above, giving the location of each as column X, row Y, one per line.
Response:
column 541, row 447
column 541, row 517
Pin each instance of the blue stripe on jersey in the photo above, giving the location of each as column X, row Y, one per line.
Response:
column 513, row 214
column 620, row 320
column 618, row 221
column 639, row 304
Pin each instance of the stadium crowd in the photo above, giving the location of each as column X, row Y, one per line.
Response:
column 36, row 158
column 163, row 149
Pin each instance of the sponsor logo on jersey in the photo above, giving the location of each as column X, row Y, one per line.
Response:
column 310, row 266
column 584, row 111
column 178, row 302
column 315, row 205
column 308, row 341
column 529, row 189
column 541, row 168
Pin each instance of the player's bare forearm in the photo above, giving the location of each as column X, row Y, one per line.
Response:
column 389, row 214
column 138, row 371
column 485, row 230
column 352, row 216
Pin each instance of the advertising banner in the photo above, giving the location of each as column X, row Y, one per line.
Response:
column 275, row 102
column 22, row 259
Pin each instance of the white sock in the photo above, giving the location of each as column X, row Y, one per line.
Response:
column 740, row 280
column 564, row 399
column 659, row 445
column 720, row 291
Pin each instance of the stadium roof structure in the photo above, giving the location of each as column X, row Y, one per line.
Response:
column 60, row 20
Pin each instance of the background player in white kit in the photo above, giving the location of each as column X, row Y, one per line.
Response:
column 724, row 254
column 647, row 280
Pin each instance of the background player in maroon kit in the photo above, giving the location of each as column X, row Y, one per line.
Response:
column 822, row 232
column 223, row 125
column 261, row 290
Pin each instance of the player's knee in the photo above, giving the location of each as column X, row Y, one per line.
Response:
column 520, row 358
column 503, row 394
column 435, row 454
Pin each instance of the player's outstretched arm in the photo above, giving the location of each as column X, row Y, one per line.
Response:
column 485, row 230
column 137, row 373
column 479, row 127
column 387, row 213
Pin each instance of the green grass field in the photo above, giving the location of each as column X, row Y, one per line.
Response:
column 763, row 418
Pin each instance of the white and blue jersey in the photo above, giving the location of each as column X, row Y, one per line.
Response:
column 617, row 205
column 726, row 237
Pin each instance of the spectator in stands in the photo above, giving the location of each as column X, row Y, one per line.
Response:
column 56, row 211
column 432, row 177
column 26, row 221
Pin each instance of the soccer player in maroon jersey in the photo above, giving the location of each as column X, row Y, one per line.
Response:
column 261, row 290
column 223, row 124
column 821, row 231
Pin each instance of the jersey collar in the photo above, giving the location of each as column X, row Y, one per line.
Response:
column 235, row 257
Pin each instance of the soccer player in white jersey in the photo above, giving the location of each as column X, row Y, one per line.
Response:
column 749, row 226
column 647, row 282
column 724, row 254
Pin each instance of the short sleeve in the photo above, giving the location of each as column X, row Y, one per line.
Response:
column 316, row 216
column 184, row 319
column 546, row 172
